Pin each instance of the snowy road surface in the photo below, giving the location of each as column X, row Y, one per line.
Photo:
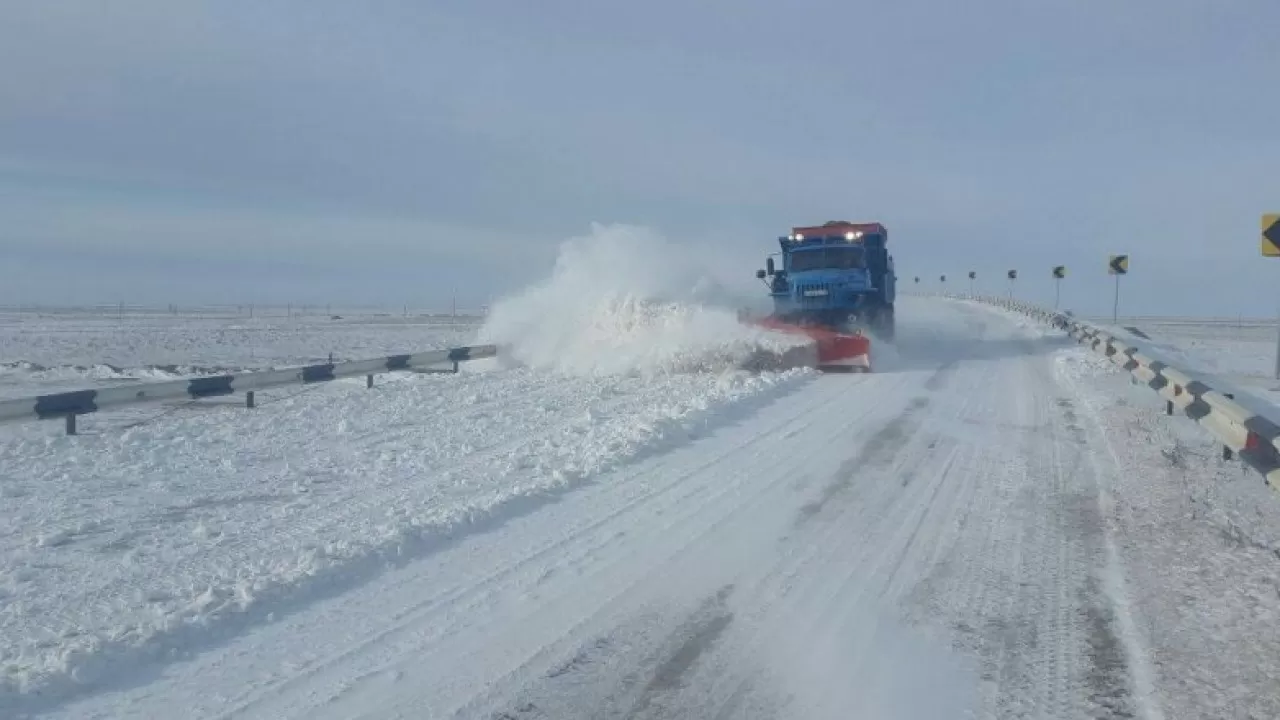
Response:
column 906, row 544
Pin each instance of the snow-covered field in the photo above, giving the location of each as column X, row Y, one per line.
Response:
column 615, row 522
column 1240, row 352
column 48, row 351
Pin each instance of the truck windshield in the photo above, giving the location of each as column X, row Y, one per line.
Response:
column 829, row 258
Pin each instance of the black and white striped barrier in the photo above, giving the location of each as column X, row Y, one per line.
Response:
column 1253, row 437
column 71, row 404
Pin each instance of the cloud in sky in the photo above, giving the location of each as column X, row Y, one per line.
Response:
column 336, row 147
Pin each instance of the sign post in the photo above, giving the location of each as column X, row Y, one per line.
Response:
column 1271, row 248
column 972, row 275
column 1118, row 265
column 1013, row 275
column 1059, row 272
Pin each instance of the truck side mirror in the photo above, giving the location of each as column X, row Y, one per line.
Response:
column 768, row 264
column 760, row 274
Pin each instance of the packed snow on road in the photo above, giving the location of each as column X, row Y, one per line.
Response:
column 615, row 520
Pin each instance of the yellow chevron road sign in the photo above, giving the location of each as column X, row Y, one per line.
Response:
column 1271, row 235
column 1118, row 265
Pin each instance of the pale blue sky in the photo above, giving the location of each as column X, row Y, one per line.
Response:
column 323, row 151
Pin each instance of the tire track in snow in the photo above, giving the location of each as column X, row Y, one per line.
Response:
column 515, row 572
column 725, row 518
column 855, row 525
column 934, row 506
column 1124, row 681
column 878, row 451
column 745, row 588
column 1015, row 557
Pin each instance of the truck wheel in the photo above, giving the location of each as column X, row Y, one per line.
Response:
column 884, row 322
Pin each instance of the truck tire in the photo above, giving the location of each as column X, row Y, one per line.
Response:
column 883, row 322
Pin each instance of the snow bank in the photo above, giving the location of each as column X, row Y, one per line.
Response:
column 623, row 300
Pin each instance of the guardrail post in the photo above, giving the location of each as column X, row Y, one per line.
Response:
column 455, row 366
column 248, row 399
column 1227, row 452
column 71, row 423
column 368, row 381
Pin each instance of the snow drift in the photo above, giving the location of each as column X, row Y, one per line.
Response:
column 623, row 300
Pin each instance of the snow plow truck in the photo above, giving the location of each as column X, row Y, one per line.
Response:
column 835, row 283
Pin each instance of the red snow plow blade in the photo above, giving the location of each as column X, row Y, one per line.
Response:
column 837, row 352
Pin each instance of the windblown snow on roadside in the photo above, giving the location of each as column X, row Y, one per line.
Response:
column 620, row 302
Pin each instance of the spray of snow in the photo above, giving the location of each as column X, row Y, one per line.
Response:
column 623, row 300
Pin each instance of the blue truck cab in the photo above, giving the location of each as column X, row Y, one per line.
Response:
column 838, row 275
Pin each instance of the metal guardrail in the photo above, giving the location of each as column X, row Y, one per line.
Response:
column 1243, row 432
column 74, row 403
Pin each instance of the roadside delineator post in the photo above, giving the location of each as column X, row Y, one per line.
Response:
column 1227, row 452
column 1271, row 248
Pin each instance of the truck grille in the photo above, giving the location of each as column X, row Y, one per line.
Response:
column 815, row 293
